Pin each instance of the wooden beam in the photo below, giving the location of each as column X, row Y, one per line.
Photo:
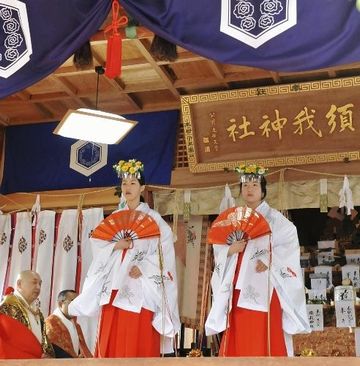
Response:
column 201, row 361
column 117, row 84
column 71, row 90
column 127, row 64
column 61, row 199
column 275, row 76
column 218, row 72
column 4, row 120
column 146, row 87
column 197, row 82
column 332, row 73
column 216, row 69
column 160, row 71
column 23, row 95
column 45, row 111
column 182, row 177
column 148, row 107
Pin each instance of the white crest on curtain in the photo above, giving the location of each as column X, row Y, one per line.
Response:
column 228, row 200
column 16, row 49
column 255, row 22
column 88, row 157
column 345, row 196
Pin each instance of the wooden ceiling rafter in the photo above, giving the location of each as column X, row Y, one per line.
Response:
column 4, row 120
column 218, row 72
column 165, row 77
column 24, row 95
column 71, row 90
column 276, row 77
column 44, row 110
column 117, row 84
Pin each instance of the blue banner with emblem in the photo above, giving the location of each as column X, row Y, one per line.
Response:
column 38, row 160
column 36, row 37
column 282, row 35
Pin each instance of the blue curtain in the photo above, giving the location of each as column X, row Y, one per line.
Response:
column 57, row 29
column 38, row 160
column 326, row 32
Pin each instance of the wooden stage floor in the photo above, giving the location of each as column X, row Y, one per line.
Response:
column 201, row 361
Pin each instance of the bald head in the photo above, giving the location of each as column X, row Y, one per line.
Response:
column 28, row 283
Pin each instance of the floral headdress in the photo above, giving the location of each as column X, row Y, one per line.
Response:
column 132, row 167
column 250, row 172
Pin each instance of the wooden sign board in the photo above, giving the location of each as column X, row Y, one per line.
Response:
column 275, row 126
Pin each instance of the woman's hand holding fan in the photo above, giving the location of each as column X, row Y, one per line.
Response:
column 237, row 223
column 124, row 244
column 237, row 246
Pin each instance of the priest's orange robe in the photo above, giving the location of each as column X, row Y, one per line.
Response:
column 59, row 335
column 17, row 341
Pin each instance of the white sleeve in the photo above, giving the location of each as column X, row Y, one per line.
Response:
column 221, row 284
column 88, row 302
column 287, row 278
column 161, row 288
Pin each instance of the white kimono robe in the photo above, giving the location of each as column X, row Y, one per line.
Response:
column 149, row 291
column 256, row 291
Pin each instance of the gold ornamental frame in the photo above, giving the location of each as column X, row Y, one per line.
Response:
column 189, row 101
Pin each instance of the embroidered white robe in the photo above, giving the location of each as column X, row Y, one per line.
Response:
column 285, row 276
column 108, row 273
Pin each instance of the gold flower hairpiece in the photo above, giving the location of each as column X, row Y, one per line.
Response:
column 251, row 169
column 249, row 172
column 128, row 168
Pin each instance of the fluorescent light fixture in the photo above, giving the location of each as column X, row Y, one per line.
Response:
column 94, row 125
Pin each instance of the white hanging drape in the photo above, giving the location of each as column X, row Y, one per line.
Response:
column 66, row 249
column 43, row 258
column 21, row 247
column 91, row 219
column 5, row 235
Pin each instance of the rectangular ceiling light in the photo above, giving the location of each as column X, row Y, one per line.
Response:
column 95, row 126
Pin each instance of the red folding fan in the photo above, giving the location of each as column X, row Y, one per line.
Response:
column 127, row 224
column 237, row 223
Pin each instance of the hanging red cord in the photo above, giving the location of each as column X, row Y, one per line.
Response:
column 114, row 45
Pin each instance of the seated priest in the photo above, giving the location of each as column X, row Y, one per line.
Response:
column 22, row 326
column 64, row 332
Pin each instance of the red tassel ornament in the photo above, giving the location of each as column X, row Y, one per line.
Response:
column 114, row 45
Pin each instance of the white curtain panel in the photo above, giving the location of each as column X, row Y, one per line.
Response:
column 91, row 219
column 44, row 252
column 21, row 247
column 66, row 251
column 5, row 235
